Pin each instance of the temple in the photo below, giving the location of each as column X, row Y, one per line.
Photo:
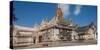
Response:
column 57, row 29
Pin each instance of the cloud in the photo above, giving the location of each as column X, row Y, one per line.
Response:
column 65, row 9
column 77, row 10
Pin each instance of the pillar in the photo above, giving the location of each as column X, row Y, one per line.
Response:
column 37, row 38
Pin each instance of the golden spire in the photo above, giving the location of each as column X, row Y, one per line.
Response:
column 59, row 14
column 59, row 11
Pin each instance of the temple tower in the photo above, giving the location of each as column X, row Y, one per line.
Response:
column 59, row 15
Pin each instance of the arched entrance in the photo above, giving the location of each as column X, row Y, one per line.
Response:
column 40, row 39
column 34, row 40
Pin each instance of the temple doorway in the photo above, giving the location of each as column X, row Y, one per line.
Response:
column 40, row 39
column 34, row 40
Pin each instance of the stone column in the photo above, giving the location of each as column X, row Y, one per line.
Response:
column 37, row 38
column 95, row 35
column 72, row 35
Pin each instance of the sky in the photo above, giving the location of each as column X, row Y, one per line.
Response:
column 31, row 13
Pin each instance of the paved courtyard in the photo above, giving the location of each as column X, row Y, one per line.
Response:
column 60, row 43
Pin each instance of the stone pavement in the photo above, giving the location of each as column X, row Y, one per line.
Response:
column 60, row 43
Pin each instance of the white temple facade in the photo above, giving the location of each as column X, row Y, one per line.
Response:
column 55, row 30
